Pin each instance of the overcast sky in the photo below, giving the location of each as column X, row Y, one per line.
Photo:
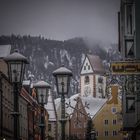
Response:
column 61, row 19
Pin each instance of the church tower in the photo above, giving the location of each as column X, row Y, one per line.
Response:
column 92, row 77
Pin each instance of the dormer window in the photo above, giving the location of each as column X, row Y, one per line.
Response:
column 86, row 79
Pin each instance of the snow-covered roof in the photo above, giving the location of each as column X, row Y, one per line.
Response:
column 51, row 108
column 4, row 50
column 93, row 104
column 71, row 101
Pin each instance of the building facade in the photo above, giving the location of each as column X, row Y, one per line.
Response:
column 6, row 97
column 52, row 120
column 107, row 121
column 78, row 121
column 129, row 46
column 29, row 109
column 23, row 118
column 6, row 119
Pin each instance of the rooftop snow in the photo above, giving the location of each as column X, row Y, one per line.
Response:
column 93, row 105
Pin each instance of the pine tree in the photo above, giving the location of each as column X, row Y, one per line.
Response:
column 90, row 127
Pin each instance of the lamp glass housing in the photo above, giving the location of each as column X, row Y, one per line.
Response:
column 62, row 82
column 16, row 66
column 16, row 71
column 42, row 95
column 62, row 76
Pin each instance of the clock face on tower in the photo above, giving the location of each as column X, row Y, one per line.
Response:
column 87, row 91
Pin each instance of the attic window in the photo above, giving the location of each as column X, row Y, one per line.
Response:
column 88, row 67
column 84, row 67
column 113, row 110
column 86, row 79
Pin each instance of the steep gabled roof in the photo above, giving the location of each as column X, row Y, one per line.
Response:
column 4, row 50
column 93, row 105
column 96, row 63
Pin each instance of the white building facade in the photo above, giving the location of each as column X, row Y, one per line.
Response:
column 92, row 77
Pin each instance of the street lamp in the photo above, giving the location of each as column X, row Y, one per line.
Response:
column 62, row 76
column 16, row 67
column 92, row 134
column 42, row 89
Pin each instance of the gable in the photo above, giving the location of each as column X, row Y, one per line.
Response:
column 106, row 110
column 86, row 68
column 79, row 107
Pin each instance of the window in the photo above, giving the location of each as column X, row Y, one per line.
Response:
column 113, row 110
column 100, row 90
column 114, row 122
column 106, row 133
column 97, row 134
column 129, row 19
column 88, row 67
column 129, row 48
column 114, row 133
column 84, row 67
column 105, row 122
column 85, row 124
column 100, row 80
column 130, row 104
column 86, row 79
column 49, row 127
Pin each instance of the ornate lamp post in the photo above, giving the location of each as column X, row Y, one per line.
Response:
column 16, row 68
column 93, row 135
column 62, row 76
column 42, row 89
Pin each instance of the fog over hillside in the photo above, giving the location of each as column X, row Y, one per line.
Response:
column 46, row 55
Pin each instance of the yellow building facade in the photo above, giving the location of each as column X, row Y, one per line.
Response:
column 107, row 121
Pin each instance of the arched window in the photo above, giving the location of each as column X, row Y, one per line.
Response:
column 86, row 79
column 100, row 80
